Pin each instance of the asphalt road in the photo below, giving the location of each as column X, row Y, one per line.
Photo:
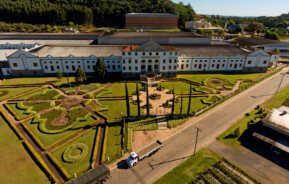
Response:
column 213, row 123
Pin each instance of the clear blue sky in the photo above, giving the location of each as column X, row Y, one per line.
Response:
column 239, row 7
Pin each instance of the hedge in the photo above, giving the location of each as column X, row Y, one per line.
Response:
column 33, row 136
column 30, row 147
column 103, row 156
column 95, row 147
column 60, row 167
column 67, row 157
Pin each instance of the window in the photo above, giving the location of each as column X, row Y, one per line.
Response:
column 170, row 53
column 129, row 68
column 123, row 61
column 52, row 68
column 15, row 64
column 123, row 53
column 129, row 61
column 200, row 66
column 78, row 62
column 113, row 67
column 135, row 61
column 249, row 62
column 157, row 53
column 67, row 67
column 170, row 67
column 187, row 66
column 165, row 53
column 176, row 60
column 35, row 64
column 223, row 65
column 164, row 61
column 73, row 68
column 170, row 61
column 240, row 65
column 182, row 66
column 88, row 67
column 175, row 67
column 218, row 66
column 87, row 62
column 129, row 53
column 205, row 65
column 213, row 65
column 123, row 68
column 136, row 68
column 150, row 53
column 46, row 67
column 264, row 62
column 196, row 65
column 118, row 66
column 143, row 53
column 135, row 53
column 164, row 68
column 235, row 66
column 143, row 67
column 108, row 66
column 57, row 67
column 143, row 61
column 230, row 65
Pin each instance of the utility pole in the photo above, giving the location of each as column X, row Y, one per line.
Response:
column 197, row 136
column 283, row 75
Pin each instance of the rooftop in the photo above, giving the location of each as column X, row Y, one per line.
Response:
column 278, row 119
column 77, row 50
column 253, row 41
column 151, row 35
column 151, row 15
column 5, row 53
column 149, row 46
column 210, row 50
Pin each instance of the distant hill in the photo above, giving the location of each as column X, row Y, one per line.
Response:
column 98, row 12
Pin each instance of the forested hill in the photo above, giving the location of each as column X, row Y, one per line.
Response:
column 97, row 12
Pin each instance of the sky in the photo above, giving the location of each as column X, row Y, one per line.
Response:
column 239, row 7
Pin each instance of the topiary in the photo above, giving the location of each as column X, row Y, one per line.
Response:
column 67, row 154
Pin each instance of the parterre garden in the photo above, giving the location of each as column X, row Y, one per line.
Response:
column 78, row 126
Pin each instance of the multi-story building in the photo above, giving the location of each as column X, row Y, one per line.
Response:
column 133, row 60
column 151, row 20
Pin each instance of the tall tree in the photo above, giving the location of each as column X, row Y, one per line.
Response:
column 59, row 75
column 138, row 100
column 173, row 104
column 127, row 101
column 80, row 75
column 190, row 99
column 147, row 100
column 100, row 69
column 181, row 109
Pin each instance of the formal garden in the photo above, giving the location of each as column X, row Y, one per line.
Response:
column 73, row 126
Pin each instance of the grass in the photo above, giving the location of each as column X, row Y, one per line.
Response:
column 147, row 124
column 187, row 171
column 113, row 144
column 196, row 105
column 232, row 78
column 242, row 124
column 118, row 89
column 16, row 165
column 12, row 92
column 18, row 113
column 116, row 107
column 179, row 87
column 27, row 80
column 82, row 165
column 176, row 122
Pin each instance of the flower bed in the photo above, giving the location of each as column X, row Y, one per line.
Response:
column 68, row 155
column 155, row 96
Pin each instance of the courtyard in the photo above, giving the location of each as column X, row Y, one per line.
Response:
column 73, row 128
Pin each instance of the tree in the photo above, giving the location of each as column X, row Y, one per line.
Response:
column 59, row 75
column 255, row 27
column 173, row 104
column 181, row 109
column 138, row 100
column 190, row 98
column 127, row 101
column 147, row 99
column 100, row 69
column 276, row 51
column 80, row 75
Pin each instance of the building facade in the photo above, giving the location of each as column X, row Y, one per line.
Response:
column 151, row 20
column 133, row 60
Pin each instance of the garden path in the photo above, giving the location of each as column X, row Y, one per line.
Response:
column 98, row 89
column 34, row 146
column 235, row 88
column 157, row 105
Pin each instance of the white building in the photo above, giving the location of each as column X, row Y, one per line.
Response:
column 133, row 60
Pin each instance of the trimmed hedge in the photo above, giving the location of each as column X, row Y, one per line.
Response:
column 95, row 147
column 103, row 156
column 60, row 167
column 67, row 157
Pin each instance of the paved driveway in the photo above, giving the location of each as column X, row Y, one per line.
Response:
column 213, row 123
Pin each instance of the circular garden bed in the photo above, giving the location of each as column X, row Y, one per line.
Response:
column 75, row 153
column 155, row 96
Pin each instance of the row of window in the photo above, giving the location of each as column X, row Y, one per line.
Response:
column 150, row 53
column 199, row 66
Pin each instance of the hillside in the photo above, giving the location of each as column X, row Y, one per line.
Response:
column 85, row 12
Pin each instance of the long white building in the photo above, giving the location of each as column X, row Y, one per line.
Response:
column 133, row 60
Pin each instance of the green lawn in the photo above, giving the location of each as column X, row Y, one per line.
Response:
column 27, row 80
column 113, row 143
column 196, row 105
column 16, row 164
column 116, row 107
column 187, row 171
column 82, row 165
column 18, row 113
column 14, row 92
column 118, row 89
column 179, row 87
column 232, row 78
